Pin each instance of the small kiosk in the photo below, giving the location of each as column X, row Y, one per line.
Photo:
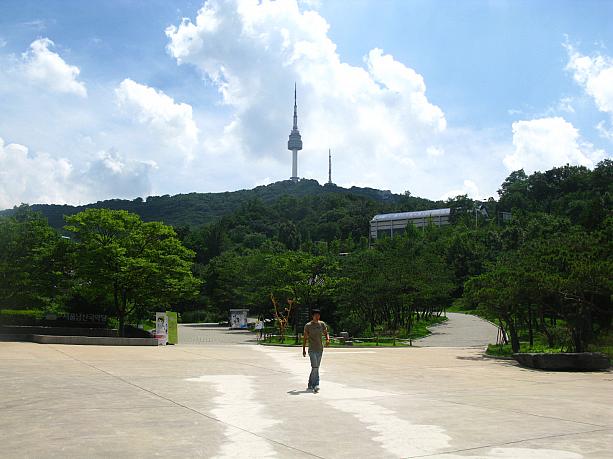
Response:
column 238, row 319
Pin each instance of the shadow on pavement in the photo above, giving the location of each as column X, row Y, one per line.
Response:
column 299, row 392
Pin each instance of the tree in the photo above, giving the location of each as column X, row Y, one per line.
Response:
column 141, row 266
column 575, row 269
column 498, row 292
column 32, row 258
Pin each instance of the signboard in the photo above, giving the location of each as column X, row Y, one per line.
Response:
column 161, row 328
column 173, row 335
column 238, row 319
column 78, row 317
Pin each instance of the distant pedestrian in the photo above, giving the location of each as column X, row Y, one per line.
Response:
column 314, row 331
column 259, row 327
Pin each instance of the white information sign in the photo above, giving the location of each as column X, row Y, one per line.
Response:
column 238, row 319
column 161, row 328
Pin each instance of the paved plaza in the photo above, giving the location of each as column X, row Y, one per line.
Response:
column 226, row 400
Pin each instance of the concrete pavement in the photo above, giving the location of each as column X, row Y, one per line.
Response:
column 199, row 334
column 460, row 330
column 249, row 401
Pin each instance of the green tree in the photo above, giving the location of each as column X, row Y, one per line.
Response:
column 32, row 261
column 575, row 269
column 140, row 265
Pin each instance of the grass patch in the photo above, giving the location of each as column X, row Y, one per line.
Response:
column 372, row 342
column 33, row 313
column 505, row 350
column 21, row 316
column 199, row 316
column 420, row 329
column 604, row 344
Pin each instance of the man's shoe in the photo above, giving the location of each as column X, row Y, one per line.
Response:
column 316, row 389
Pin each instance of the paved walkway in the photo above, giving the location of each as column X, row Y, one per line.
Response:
column 247, row 401
column 198, row 334
column 460, row 330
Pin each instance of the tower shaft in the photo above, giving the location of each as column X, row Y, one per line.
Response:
column 294, row 176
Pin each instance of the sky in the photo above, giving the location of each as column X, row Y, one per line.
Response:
column 132, row 98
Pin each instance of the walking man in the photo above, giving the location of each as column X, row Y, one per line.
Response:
column 313, row 332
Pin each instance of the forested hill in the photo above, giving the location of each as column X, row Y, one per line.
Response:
column 195, row 209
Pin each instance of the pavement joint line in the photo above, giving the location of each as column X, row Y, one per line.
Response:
column 193, row 410
column 242, row 363
column 420, row 395
column 494, row 445
column 143, row 407
column 526, row 413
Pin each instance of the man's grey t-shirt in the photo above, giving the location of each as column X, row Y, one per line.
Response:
column 316, row 330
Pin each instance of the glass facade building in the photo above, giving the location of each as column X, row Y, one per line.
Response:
column 383, row 225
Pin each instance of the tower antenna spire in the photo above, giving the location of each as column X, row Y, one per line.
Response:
column 294, row 144
column 295, row 110
column 329, row 167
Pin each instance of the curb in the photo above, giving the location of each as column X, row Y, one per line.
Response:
column 497, row 357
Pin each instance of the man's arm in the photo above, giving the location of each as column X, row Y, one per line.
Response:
column 305, row 335
column 327, row 336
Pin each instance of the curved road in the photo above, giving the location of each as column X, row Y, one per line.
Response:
column 460, row 330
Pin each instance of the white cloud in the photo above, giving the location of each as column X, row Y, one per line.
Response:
column 173, row 121
column 565, row 104
column 543, row 143
column 311, row 4
column 376, row 118
column 113, row 175
column 469, row 188
column 595, row 75
column 434, row 151
column 604, row 131
column 47, row 69
column 31, row 178
column 40, row 178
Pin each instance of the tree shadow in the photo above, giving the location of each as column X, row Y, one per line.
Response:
column 472, row 357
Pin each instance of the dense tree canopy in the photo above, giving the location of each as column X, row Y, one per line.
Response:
column 141, row 266
column 537, row 261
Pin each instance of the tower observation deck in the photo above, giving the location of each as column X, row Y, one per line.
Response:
column 295, row 142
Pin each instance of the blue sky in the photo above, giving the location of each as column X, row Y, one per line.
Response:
column 126, row 98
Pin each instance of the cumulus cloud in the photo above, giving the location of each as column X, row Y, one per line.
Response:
column 434, row 151
column 47, row 69
column 469, row 188
column 173, row 121
column 595, row 75
column 112, row 175
column 376, row 117
column 40, row 178
column 544, row 143
column 31, row 178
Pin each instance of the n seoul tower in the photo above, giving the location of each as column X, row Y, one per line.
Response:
column 295, row 142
